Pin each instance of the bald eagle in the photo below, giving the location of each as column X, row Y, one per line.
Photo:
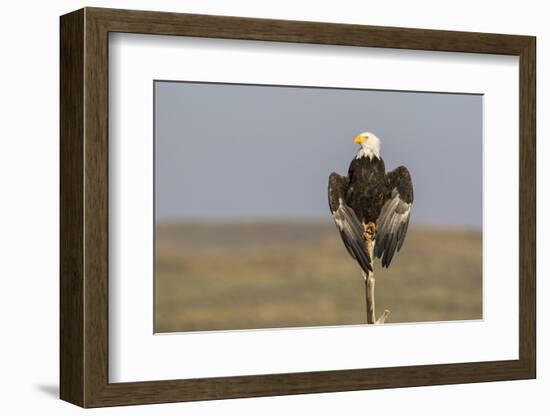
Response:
column 369, row 200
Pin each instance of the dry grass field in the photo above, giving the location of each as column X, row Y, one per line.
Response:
column 291, row 274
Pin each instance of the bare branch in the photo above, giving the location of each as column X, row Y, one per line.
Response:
column 383, row 317
column 370, row 282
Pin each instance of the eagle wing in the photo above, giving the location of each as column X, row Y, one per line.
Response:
column 349, row 226
column 393, row 221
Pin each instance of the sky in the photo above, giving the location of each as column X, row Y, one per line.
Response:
column 239, row 152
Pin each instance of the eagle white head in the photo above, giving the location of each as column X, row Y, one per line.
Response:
column 370, row 145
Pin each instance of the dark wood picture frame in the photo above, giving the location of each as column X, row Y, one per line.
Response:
column 84, row 207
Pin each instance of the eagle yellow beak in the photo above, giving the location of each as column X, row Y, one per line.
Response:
column 359, row 139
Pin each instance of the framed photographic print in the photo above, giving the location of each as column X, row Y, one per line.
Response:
column 255, row 207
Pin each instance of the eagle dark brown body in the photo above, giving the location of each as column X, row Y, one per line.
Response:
column 367, row 188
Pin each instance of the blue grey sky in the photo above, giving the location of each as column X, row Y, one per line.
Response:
column 228, row 151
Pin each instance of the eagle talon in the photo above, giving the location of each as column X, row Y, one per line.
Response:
column 370, row 230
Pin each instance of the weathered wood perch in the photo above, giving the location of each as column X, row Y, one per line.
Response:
column 370, row 281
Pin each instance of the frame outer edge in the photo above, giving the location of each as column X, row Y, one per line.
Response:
column 95, row 202
column 343, row 34
column 71, row 291
column 84, row 204
column 528, row 208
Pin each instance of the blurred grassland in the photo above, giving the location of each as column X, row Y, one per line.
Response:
column 293, row 273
